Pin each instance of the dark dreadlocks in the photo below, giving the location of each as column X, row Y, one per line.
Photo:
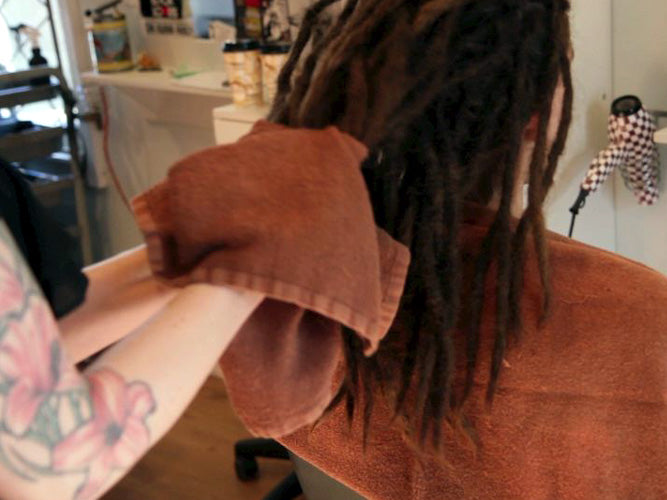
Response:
column 441, row 92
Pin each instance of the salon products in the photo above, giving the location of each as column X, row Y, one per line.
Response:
column 162, row 9
column 37, row 60
column 274, row 56
column 243, row 65
column 252, row 18
column 109, row 38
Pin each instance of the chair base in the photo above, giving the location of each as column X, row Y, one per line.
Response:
column 288, row 489
column 246, row 453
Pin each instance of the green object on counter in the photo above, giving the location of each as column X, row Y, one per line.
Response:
column 183, row 71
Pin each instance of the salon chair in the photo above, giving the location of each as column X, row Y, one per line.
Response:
column 246, row 453
column 306, row 478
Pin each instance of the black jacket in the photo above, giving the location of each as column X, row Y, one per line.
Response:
column 47, row 247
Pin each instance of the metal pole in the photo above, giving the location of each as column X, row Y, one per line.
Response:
column 53, row 34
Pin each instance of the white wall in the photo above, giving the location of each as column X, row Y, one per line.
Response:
column 149, row 132
column 640, row 68
column 592, row 70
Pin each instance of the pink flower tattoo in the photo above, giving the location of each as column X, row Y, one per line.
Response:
column 115, row 436
column 32, row 361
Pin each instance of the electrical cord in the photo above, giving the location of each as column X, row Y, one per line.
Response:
column 107, row 151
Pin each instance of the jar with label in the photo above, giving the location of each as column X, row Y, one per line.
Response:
column 274, row 56
column 109, row 40
column 244, row 70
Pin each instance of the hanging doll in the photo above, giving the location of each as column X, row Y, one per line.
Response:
column 631, row 149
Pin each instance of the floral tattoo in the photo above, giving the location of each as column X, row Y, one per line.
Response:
column 53, row 420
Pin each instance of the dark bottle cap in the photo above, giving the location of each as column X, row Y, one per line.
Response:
column 240, row 45
column 37, row 58
column 627, row 105
column 276, row 48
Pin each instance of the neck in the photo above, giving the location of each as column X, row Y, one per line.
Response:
column 523, row 166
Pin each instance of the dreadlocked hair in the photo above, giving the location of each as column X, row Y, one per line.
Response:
column 441, row 92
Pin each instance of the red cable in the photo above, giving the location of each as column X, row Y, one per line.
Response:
column 107, row 152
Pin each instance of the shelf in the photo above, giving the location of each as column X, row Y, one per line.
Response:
column 26, row 94
column 202, row 84
column 29, row 144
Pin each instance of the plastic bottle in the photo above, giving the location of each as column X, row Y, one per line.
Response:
column 37, row 60
column 244, row 70
column 274, row 56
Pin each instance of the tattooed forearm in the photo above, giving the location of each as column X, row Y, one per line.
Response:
column 113, row 437
column 54, row 422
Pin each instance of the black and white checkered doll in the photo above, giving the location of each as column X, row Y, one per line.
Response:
column 631, row 149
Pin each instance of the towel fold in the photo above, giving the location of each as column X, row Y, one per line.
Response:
column 284, row 212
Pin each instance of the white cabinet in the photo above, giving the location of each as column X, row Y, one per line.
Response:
column 232, row 122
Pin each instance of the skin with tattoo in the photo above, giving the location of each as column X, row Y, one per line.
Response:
column 66, row 434
column 54, row 420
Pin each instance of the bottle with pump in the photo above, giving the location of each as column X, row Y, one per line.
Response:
column 37, row 60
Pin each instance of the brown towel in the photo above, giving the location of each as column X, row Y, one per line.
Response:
column 284, row 212
column 581, row 406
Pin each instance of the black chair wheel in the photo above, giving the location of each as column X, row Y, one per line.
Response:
column 246, row 468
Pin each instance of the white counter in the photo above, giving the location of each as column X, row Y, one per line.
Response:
column 206, row 84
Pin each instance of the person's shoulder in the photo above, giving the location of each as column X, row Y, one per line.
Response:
column 608, row 300
column 599, row 266
column 606, row 327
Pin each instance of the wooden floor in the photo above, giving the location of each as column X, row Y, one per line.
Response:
column 196, row 459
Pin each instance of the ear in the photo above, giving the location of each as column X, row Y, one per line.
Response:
column 530, row 132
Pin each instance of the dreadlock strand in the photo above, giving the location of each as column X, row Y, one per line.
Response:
column 432, row 10
column 504, row 266
column 436, row 365
column 440, row 395
column 369, row 401
column 516, row 281
column 409, row 362
column 354, row 117
column 285, row 77
column 536, row 198
column 351, row 349
column 476, row 307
